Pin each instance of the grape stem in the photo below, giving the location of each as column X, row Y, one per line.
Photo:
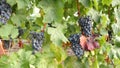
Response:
column 78, row 8
column 44, row 27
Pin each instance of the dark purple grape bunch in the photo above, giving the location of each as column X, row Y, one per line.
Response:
column 37, row 40
column 20, row 31
column 86, row 25
column 75, row 45
column 6, row 44
column 5, row 11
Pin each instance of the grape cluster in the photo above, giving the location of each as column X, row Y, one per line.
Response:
column 86, row 25
column 37, row 40
column 110, row 34
column 20, row 31
column 75, row 46
column 5, row 11
column 7, row 43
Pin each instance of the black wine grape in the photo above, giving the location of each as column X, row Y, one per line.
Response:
column 86, row 25
column 5, row 11
column 75, row 46
column 37, row 40
column 20, row 31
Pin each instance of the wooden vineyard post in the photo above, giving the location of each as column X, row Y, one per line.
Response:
column 2, row 52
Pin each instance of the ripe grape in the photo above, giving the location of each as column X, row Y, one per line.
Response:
column 86, row 25
column 7, row 43
column 110, row 34
column 37, row 40
column 20, row 31
column 5, row 11
column 74, row 38
column 75, row 46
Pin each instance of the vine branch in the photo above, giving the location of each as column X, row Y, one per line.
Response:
column 78, row 7
column 44, row 27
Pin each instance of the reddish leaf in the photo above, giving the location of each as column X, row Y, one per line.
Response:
column 90, row 46
column 96, row 44
column 83, row 41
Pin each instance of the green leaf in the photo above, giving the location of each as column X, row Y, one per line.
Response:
column 104, row 20
column 11, row 2
column 115, row 2
column 14, row 33
column 102, row 40
column 103, row 31
column 118, row 54
column 111, row 54
column 95, row 4
column 7, row 30
column 86, row 3
column 94, row 14
column 22, row 3
column 117, row 14
column 42, row 63
column 117, row 41
column 106, row 2
column 95, row 64
column 116, row 28
column 55, row 10
column 18, row 19
column 57, row 36
column 4, row 62
column 117, row 62
column 52, row 64
column 59, row 53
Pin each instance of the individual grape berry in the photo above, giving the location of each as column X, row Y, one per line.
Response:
column 5, row 11
column 86, row 25
column 75, row 46
column 37, row 40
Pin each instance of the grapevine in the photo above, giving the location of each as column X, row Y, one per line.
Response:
column 59, row 33
column 75, row 46
column 86, row 25
column 37, row 40
column 5, row 11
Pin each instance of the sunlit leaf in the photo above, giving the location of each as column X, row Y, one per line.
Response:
column 55, row 10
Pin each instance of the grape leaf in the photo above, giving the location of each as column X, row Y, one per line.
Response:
column 95, row 4
column 11, row 2
column 106, row 2
column 116, row 28
column 94, row 14
column 104, row 20
column 14, row 33
column 22, row 3
column 115, row 2
column 57, row 36
column 55, row 10
column 86, row 3
column 59, row 53
column 7, row 30
column 117, row 14
column 18, row 19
